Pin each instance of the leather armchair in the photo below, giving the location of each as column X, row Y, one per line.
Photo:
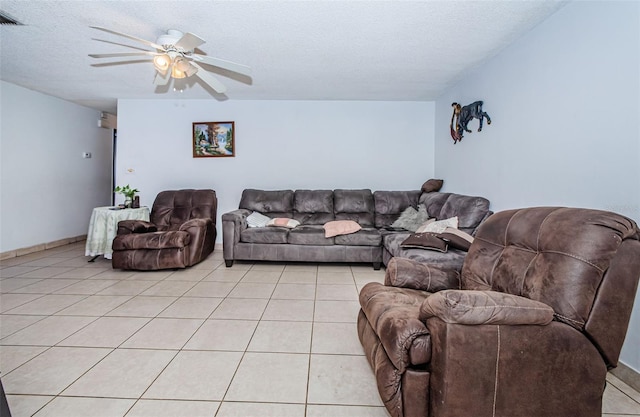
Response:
column 181, row 232
column 528, row 328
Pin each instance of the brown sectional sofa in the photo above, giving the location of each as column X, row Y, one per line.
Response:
column 375, row 243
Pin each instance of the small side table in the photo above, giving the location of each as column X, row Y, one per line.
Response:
column 103, row 227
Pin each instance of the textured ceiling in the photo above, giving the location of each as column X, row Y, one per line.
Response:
column 298, row 50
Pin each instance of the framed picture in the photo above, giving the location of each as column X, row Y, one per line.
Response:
column 213, row 139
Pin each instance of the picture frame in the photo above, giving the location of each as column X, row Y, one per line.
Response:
column 213, row 139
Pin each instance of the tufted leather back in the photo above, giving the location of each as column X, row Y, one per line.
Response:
column 270, row 203
column 356, row 205
column 313, row 206
column 173, row 208
column 583, row 263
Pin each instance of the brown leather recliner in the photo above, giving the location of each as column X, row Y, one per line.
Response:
column 529, row 328
column 181, row 233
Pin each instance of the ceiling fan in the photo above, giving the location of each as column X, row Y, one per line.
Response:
column 174, row 57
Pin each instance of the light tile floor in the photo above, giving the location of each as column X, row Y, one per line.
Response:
column 265, row 339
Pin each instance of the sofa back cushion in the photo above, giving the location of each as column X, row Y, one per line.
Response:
column 174, row 207
column 390, row 204
column 356, row 205
column 270, row 203
column 313, row 206
column 471, row 211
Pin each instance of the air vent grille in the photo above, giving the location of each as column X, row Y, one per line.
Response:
column 5, row 19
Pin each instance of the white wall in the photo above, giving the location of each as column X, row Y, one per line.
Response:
column 47, row 190
column 565, row 104
column 279, row 145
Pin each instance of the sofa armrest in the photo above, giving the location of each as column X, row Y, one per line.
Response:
column 484, row 307
column 126, row 227
column 233, row 223
column 407, row 273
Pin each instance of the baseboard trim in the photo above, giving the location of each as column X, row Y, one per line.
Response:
column 628, row 375
column 40, row 247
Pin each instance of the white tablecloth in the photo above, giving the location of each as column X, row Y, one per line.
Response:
column 103, row 227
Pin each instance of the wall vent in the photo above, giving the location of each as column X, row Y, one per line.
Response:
column 5, row 19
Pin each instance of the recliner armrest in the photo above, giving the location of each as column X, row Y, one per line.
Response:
column 407, row 273
column 484, row 307
column 135, row 226
column 197, row 223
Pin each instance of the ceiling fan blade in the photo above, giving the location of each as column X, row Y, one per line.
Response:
column 162, row 79
column 119, row 44
column 121, row 54
column 209, row 79
column 217, row 62
column 189, row 42
column 144, row 41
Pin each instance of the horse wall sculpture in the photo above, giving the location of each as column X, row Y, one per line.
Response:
column 463, row 115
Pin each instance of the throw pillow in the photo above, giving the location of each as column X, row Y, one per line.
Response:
column 432, row 185
column 410, row 219
column 425, row 241
column 340, row 227
column 283, row 222
column 256, row 219
column 457, row 238
column 438, row 226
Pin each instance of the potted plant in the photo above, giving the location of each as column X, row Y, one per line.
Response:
column 128, row 192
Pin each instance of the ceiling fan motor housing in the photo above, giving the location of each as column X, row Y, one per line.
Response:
column 170, row 38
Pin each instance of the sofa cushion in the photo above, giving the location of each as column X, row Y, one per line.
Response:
column 364, row 237
column 313, row 206
column 270, row 203
column 264, row 235
column 309, row 235
column 340, row 227
column 469, row 210
column 356, row 205
column 389, row 205
column 453, row 258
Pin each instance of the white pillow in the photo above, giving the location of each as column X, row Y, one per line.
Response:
column 256, row 219
column 438, row 226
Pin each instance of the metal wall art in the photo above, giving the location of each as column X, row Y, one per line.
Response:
column 462, row 116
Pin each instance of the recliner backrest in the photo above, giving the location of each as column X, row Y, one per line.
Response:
column 567, row 258
column 174, row 207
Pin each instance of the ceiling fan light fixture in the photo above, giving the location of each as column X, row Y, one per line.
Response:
column 184, row 66
column 162, row 62
column 176, row 72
